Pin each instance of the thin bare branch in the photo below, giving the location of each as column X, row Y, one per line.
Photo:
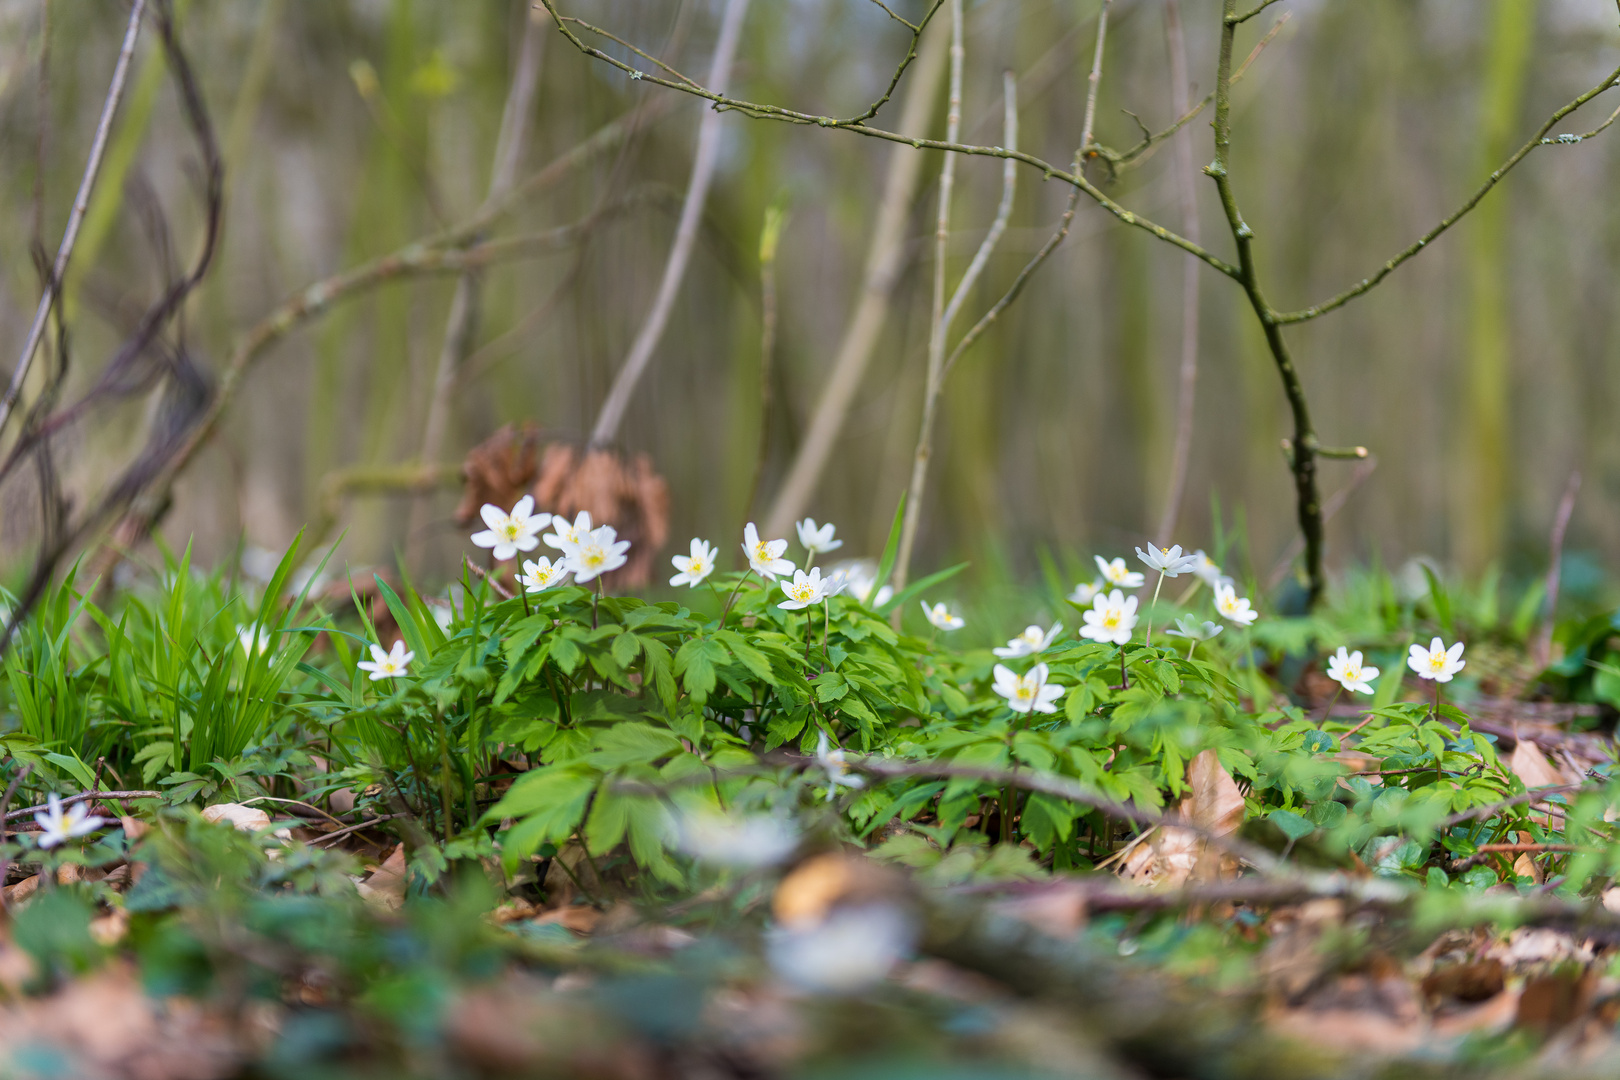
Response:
column 1234, row 20
column 81, row 202
column 1538, row 139
column 1047, row 169
column 620, row 41
column 939, row 325
column 680, row 253
column 916, row 29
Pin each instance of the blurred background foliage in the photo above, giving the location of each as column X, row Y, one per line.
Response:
column 1480, row 375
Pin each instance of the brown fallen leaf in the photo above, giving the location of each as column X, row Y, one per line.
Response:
column 385, row 886
column 625, row 493
column 1530, row 765
column 1554, row 1001
column 499, row 470
column 1468, row 982
column 1171, row 855
column 239, row 817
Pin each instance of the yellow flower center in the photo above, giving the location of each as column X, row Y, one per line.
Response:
column 592, row 556
column 1437, row 661
column 1111, row 620
column 510, row 530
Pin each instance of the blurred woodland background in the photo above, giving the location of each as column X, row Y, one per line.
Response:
column 1480, row 375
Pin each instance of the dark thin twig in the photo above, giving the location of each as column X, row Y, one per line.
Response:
column 84, row 796
column 346, row 830
column 81, row 203
column 1538, row 139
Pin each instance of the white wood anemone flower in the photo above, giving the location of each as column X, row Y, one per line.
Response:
column 598, row 552
column 1437, row 662
column 765, row 556
column 1232, row 607
column 1207, row 571
column 1116, row 573
column 563, row 534
column 940, row 617
column 388, row 665
column 1111, row 619
column 1189, row 627
column 832, row 759
column 542, row 574
column 807, row 589
column 1033, row 640
column 694, row 568
column 511, row 533
column 58, row 826
column 1027, row 693
column 1168, row 561
column 1085, row 592
column 1345, row 668
column 815, row 540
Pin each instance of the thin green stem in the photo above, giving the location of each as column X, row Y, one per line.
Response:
column 732, row 599
column 1153, row 607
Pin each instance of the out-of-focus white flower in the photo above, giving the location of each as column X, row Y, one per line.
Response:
column 859, row 576
column 1027, row 693
column 805, row 589
column 1345, row 668
column 245, row 637
column 58, row 826
column 1437, row 662
column 1116, row 573
column 850, row 949
column 736, row 840
column 765, row 556
column 1232, row 607
column 1188, row 626
column 1168, row 561
column 388, row 665
column 838, row 774
column 941, row 618
column 1111, row 618
column 511, row 533
column 598, row 552
column 443, row 614
column 563, row 534
column 1085, row 592
column 542, row 574
column 1207, row 572
column 1033, row 640
column 815, row 540
column 694, row 567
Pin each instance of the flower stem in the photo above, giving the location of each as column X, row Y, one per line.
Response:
column 1124, row 679
column 826, row 628
column 1153, row 607
column 732, row 599
column 598, row 595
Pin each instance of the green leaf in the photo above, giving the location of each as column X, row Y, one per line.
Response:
column 891, row 549
column 748, row 656
column 1292, row 825
column 74, row 768
column 626, row 647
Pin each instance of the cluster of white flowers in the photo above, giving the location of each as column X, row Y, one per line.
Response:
column 1113, row 616
column 586, row 552
column 1437, row 662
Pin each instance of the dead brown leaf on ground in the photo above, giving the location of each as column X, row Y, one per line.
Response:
column 499, row 470
column 626, row 493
